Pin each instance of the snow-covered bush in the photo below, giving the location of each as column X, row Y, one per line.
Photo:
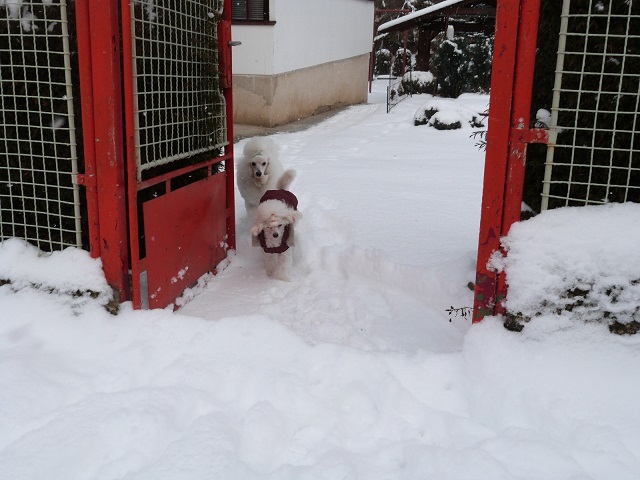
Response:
column 418, row 82
column 402, row 62
column 446, row 114
column 382, row 64
column 574, row 264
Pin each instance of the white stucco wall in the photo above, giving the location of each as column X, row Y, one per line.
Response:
column 306, row 33
column 255, row 55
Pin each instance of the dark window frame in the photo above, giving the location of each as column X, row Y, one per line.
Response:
column 246, row 17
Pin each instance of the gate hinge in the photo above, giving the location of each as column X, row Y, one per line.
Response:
column 85, row 180
column 533, row 135
column 224, row 33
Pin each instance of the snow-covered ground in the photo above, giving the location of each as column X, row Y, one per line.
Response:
column 353, row 370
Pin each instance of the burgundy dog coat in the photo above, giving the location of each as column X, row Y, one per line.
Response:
column 289, row 201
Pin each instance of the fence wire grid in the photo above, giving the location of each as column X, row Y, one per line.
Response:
column 594, row 149
column 178, row 102
column 39, row 197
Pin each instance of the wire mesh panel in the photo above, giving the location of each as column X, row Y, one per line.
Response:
column 39, row 197
column 179, row 106
column 594, row 143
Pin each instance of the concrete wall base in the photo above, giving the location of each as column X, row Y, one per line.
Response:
column 276, row 100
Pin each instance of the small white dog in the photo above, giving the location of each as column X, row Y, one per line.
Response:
column 273, row 230
column 260, row 170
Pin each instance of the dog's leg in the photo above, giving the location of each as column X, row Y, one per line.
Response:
column 270, row 260
column 283, row 266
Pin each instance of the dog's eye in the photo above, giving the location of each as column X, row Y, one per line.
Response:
column 264, row 163
column 279, row 225
column 253, row 164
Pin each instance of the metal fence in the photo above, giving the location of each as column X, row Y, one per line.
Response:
column 178, row 105
column 39, row 197
column 396, row 91
column 114, row 135
column 593, row 153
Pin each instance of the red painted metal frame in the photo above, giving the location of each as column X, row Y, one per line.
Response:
column 168, row 233
column 225, row 62
column 100, row 80
column 192, row 240
column 88, row 178
column 507, row 138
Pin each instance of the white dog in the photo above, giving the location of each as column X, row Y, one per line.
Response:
column 273, row 230
column 260, row 170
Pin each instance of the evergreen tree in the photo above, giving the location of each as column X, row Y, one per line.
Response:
column 450, row 69
column 382, row 65
column 478, row 58
column 402, row 62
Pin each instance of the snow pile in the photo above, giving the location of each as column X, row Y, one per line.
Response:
column 159, row 395
column 68, row 272
column 543, row 118
column 424, row 78
column 447, row 114
column 418, row 82
column 579, row 263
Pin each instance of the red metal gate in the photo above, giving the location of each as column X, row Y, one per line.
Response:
column 592, row 153
column 159, row 160
column 507, row 138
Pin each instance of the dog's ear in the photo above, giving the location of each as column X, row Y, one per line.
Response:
column 293, row 216
column 256, row 229
column 267, row 170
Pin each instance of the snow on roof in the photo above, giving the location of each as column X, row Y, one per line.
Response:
column 417, row 14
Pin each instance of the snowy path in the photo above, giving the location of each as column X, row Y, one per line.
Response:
column 389, row 232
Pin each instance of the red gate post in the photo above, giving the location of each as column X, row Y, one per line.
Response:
column 503, row 70
column 520, row 134
column 186, row 230
column 107, row 142
column 88, row 178
column 226, row 73
column 507, row 138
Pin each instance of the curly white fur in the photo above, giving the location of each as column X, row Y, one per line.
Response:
column 272, row 217
column 259, row 170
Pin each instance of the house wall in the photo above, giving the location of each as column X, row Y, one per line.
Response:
column 313, row 58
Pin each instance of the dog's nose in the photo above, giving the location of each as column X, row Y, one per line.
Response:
column 275, row 235
column 258, row 174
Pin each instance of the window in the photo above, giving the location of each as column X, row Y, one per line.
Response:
column 254, row 10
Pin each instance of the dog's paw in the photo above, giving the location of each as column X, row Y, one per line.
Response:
column 279, row 274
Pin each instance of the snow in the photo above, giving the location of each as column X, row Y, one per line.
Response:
column 16, row 10
column 423, row 79
column 13, row 7
column 561, row 252
column 25, row 265
column 352, row 370
column 543, row 117
column 466, row 110
column 417, row 14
